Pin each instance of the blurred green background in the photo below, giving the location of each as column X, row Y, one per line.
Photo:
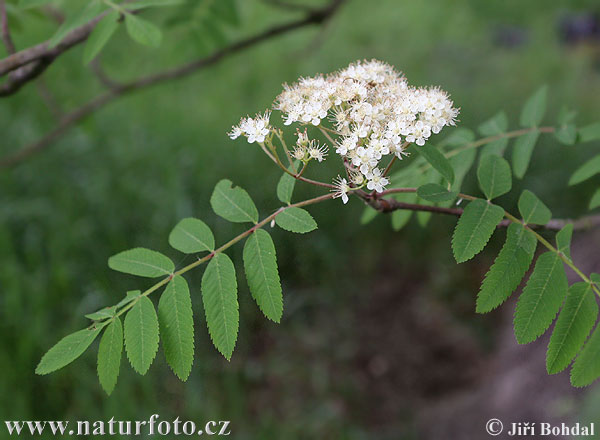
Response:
column 379, row 337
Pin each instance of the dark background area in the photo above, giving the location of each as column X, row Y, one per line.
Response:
column 379, row 337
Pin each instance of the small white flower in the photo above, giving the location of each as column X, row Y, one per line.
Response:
column 299, row 152
column 316, row 151
column 341, row 189
column 376, row 181
column 255, row 129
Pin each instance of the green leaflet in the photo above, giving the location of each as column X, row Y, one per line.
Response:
column 106, row 312
column 109, row 355
column 563, row 240
column 233, row 203
column 130, row 296
column 508, row 269
column 438, row 161
column 176, row 324
column 498, row 124
column 32, row 3
column 101, row 34
column 142, row 262
column 590, row 132
column 143, row 31
column 434, row 192
column 534, row 108
column 296, row 220
column 576, row 320
column 494, row 176
column 494, row 127
column 368, row 215
column 459, row 137
column 219, row 295
column 566, row 134
column 191, row 235
column 461, row 164
column 585, row 171
column 522, row 152
column 533, row 209
column 67, row 350
column 260, row 265
column 474, row 229
column 586, row 368
column 141, row 335
column 149, row 3
column 285, row 186
column 86, row 13
column 595, row 200
column 541, row 298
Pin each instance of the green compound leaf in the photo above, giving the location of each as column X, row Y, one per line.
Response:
column 574, row 324
column 130, row 296
column 522, row 152
column 508, row 269
column 534, row 109
column 142, row 262
column 590, row 132
column 296, row 220
column 101, row 34
column 109, row 355
column 494, row 176
column 67, row 350
column 233, row 203
column 563, row 240
column 285, row 187
column 438, row 161
column 533, row 209
column 176, row 323
column 434, row 192
column 260, row 264
column 78, row 18
column 595, row 200
column 585, row 171
column 143, row 31
column 474, row 229
column 191, row 235
column 219, row 295
column 541, row 298
column 141, row 335
column 586, row 368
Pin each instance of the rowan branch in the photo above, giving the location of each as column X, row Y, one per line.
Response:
column 387, row 205
column 313, row 18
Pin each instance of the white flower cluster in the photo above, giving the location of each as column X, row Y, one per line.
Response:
column 374, row 111
column 255, row 129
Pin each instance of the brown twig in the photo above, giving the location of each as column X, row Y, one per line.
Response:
column 314, row 17
column 6, row 38
column 387, row 205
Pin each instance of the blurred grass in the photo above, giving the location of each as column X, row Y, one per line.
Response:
column 125, row 176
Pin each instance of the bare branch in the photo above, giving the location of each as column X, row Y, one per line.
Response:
column 314, row 17
column 6, row 38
